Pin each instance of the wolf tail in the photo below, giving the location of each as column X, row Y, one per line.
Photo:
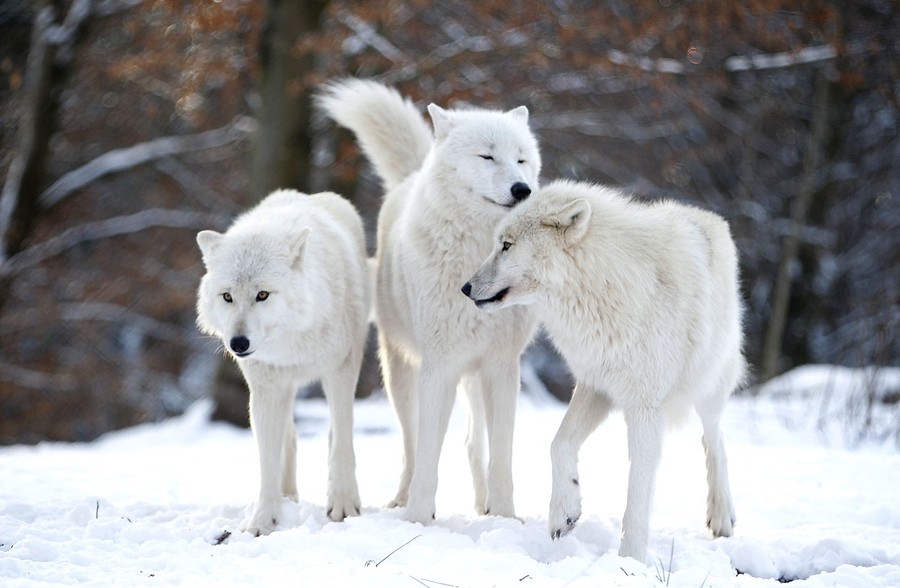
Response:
column 389, row 128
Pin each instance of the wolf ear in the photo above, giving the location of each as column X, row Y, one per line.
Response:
column 209, row 242
column 297, row 243
column 573, row 220
column 441, row 119
column 520, row 114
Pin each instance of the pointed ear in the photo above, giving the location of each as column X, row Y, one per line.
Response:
column 209, row 242
column 441, row 119
column 298, row 246
column 573, row 220
column 520, row 114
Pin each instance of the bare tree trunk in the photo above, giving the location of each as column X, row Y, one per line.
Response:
column 22, row 187
column 809, row 185
column 49, row 58
column 281, row 156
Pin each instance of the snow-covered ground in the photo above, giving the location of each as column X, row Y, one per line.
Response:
column 144, row 506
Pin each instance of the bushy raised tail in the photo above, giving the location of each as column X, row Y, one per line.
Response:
column 389, row 128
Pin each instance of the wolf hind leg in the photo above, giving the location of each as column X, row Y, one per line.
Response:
column 500, row 385
column 645, row 436
column 400, row 381
column 476, row 440
column 720, row 517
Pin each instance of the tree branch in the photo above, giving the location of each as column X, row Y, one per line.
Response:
column 661, row 65
column 34, row 380
column 119, row 225
column 735, row 63
column 193, row 187
column 63, row 35
column 368, row 35
column 779, row 60
column 112, row 313
column 119, row 160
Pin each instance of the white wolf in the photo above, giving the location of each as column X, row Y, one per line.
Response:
column 444, row 195
column 643, row 303
column 287, row 290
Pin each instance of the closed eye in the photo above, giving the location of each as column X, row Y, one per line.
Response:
column 521, row 161
column 487, row 157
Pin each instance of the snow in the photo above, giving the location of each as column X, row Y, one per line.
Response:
column 145, row 506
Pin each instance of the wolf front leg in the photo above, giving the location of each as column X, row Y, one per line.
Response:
column 437, row 390
column 587, row 409
column 272, row 420
column 645, row 435
column 340, row 390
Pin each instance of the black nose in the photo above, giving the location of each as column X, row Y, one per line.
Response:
column 520, row 190
column 239, row 344
column 467, row 288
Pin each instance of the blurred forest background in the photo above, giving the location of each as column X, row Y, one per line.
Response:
column 126, row 126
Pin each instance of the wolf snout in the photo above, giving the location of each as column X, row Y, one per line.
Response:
column 239, row 345
column 481, row 302
column 520, row 191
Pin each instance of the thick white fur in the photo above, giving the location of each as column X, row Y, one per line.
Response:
column 643, row 303
column 308, row 254
column 443, row 200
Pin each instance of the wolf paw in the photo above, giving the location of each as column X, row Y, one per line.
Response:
column 564, row 525
column 419, row 514
column 720, row 517
column 721, row 524
column 397, row 502
column 260, row 524
column 340, row 508
column 500, row 510
column 633, row 549
column 499, row 501
column 565, row 507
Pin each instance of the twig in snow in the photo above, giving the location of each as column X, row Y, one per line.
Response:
column 661, row 574
column 392, row 553
column 703, row 583
column 423, row 580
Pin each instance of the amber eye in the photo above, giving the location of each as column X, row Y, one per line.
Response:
column 261, row 295
column 227, row 297
column 506, row 245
